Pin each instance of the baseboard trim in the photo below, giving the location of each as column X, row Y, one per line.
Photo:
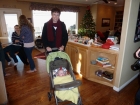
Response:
column 125, row 84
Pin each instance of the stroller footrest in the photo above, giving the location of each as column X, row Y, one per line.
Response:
column 67, row 86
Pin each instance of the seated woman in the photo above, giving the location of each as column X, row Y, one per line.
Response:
column 15, row 47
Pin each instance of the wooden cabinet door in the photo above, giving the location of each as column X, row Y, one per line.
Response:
column 82, row 61
column 74, row 57
column 67, row 50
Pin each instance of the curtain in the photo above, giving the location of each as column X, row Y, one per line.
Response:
column 48, row 7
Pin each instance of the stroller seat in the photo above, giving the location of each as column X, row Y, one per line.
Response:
column 70, row 93
column 63, row 87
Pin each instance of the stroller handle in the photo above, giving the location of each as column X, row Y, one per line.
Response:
column 53, row 50
column 67, row 86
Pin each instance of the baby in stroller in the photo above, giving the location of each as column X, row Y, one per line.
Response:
column 64, row 85
column 62, row 71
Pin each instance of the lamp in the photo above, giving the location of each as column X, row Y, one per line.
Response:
column 106, row 1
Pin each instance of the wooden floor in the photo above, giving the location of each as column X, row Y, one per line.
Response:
column 32, row 89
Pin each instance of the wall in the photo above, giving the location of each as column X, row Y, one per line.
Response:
column 16, row 4
column 24, row 6
column 80, row 15
column 124, row 73
column 100, row 11
column 94, row 13
column 120, row 8
column 0, row 31
column 105, row 11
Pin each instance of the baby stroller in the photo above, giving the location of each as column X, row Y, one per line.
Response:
column 56, row 60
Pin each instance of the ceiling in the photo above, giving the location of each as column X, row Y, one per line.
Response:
column 91, row 2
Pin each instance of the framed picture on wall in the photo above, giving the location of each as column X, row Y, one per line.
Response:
column 105, row 22
column 137, row 31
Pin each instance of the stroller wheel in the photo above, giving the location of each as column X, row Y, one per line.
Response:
column 79, row 101
column 49, row 96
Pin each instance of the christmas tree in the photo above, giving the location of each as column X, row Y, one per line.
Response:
column 87, row 26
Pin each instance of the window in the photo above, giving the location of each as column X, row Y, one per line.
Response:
column 10, row 24
column 41, row 17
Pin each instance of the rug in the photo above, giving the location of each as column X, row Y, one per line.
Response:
column 42, row 53
column 40, row 49
column 41, row 56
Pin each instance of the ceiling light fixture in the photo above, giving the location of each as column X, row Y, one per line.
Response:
column 107, row 1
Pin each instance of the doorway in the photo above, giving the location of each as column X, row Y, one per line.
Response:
column 8, row 19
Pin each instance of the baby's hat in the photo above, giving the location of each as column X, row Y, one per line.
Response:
column 62, row 68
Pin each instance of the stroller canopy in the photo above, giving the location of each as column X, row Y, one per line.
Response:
column 59, row 54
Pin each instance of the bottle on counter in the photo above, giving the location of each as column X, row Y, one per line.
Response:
column 95, row 38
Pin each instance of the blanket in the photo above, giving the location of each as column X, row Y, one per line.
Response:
column 70, row 95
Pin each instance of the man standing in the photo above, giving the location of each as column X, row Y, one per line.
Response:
column 54, row 34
